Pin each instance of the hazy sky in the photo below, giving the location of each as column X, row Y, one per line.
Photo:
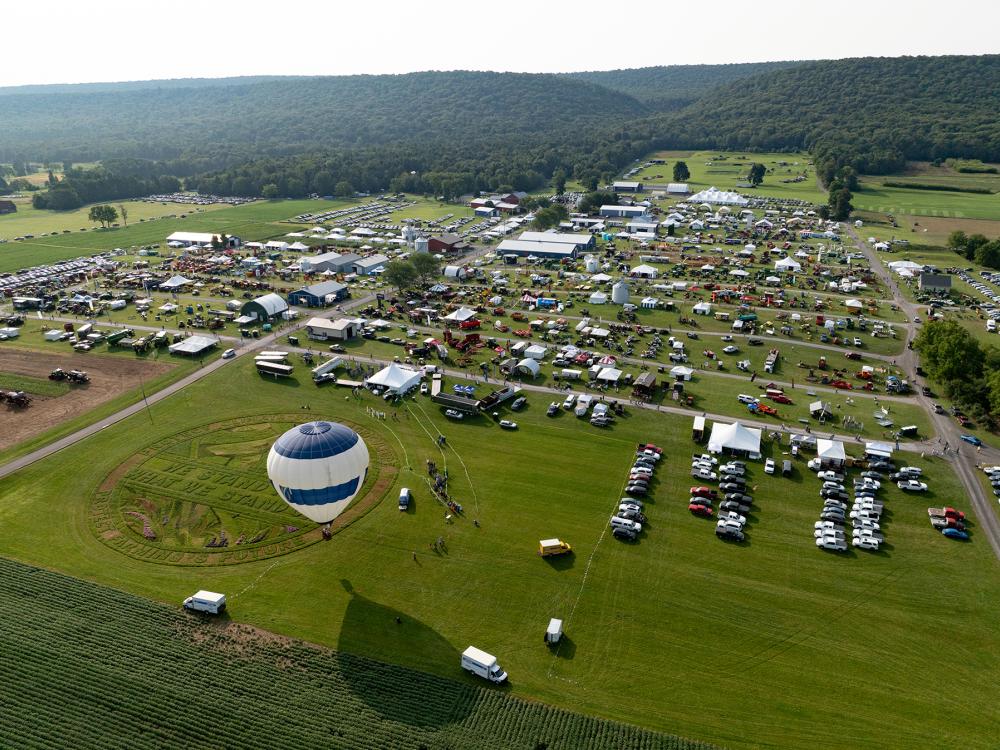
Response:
column 71, row 41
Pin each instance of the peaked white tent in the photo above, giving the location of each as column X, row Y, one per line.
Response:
column 787, row 264
column 395, row 379
column 734, row 437
column 681, row 373
column 461, row 315
column 174, row 282
column 831, row 452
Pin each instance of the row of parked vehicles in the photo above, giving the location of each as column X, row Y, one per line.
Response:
column 865, row 513
column 732, row 497
column 627, row 523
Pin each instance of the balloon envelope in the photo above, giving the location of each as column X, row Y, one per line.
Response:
column 318, row 468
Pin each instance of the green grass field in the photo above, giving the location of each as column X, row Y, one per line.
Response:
column 262, row 220
column 30, row 220
column 768, row 643
column 707, row 169
column 11, row 382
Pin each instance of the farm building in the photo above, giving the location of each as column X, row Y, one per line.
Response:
column 624, row 186
column 193, row 346
column 626, row 212
column 187, row 239
column 318, row 295
column 486, row 212
column 539, row 249
column 935, row 282
column 334, row 262
column 8, row 207
column 370, row 265
column 322, row 329
column 678, row 188
column 264, row 309
column 446, row 243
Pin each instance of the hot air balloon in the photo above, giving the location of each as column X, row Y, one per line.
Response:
column 318, row 468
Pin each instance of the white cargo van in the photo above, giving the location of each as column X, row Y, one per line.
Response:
column 206, row 601
column 483, row 665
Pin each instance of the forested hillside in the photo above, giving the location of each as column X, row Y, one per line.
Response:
column 295, row 115
column 871, row 113
column 670, row 87
column 452, row 133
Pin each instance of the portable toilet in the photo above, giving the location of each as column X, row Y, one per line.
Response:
column 619, row 293
column 592, row 264
column 554, row 631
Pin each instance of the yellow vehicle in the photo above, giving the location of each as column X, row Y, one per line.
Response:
column 549, row 547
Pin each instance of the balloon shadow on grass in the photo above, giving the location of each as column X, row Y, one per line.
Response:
column 384, row 634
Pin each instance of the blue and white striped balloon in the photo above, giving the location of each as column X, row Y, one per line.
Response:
column 318, row 468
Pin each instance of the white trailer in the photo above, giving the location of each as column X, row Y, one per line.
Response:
column 329, row 366
column 554, row 631
column 483, row 665
column 206, row 601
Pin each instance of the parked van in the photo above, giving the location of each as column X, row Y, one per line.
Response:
column 404, row 498
column 550, row 547
column 482, row 664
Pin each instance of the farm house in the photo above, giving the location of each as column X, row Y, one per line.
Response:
column 322, row 329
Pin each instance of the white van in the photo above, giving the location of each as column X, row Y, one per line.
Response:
column 617, row 522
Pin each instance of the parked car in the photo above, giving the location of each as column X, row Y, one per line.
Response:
column 865, row 543
column 700, row 509
column 955, row 533
column 552, row 410
column 704, row 475
column 830, row 476
column 703, row 492
column 972, row 440
column 508, row 425
column 625, row 535
column 229, row 354
column 832, row 544
column 769, row 466
column 729, row 533
column 912, row 485
column 519, row 403
column 453, row 414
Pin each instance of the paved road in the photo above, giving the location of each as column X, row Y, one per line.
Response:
column 965, row 457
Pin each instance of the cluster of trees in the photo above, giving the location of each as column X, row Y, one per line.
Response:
column 418, row 269
column 81, row 186
column 549, row 216
column 104, row 214
column 681, row 171
column 976, row 247
column 968, row 371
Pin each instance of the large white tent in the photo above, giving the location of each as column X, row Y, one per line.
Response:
column 787, row 264
column 734, row 437
column 395, row 379
column 831, row 452
column 719, row 197
column 461, row 315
